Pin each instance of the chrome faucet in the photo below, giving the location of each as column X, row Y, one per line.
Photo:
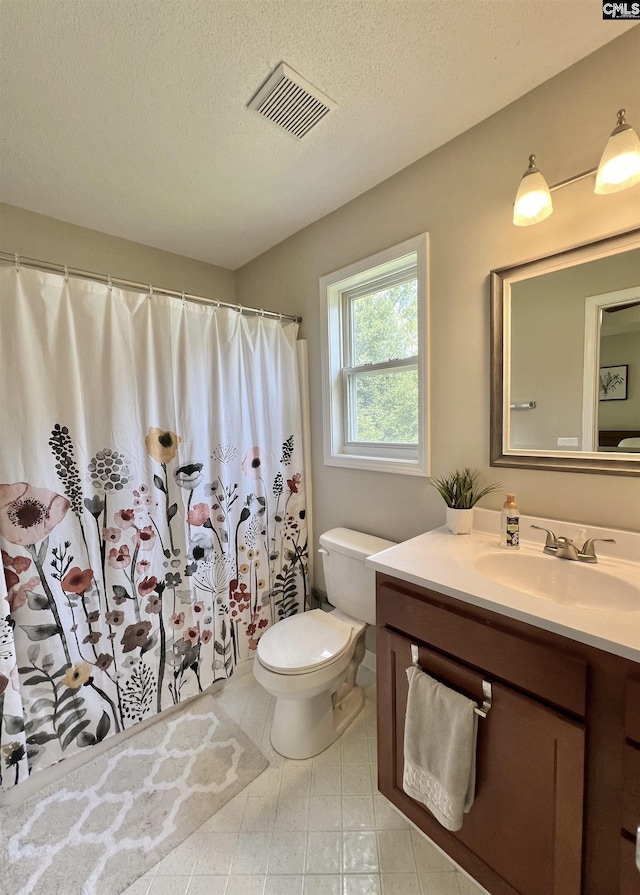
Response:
column 564, row 548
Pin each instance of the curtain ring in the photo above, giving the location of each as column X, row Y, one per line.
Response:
column 262, row 312
column 217, row 306
column 239, row 309
column 280, row 318
column 109, row 283
column 17, row 263
column 66, row 274
column 183, row 299
column 150, row 291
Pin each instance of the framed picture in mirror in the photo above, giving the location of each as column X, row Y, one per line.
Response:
column 613, row 383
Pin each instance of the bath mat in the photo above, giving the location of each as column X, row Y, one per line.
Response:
column 106, row 823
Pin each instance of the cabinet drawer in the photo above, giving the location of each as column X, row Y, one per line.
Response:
column 632, row 769
column 632, row 710
column 629, row 873
column 631, row 811
column 547, row 673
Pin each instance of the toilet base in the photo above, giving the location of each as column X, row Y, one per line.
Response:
column 302, row 728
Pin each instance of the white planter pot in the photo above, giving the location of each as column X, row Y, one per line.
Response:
column 459, row 521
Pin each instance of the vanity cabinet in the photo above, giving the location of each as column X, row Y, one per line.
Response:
column 558, row 770
column 629, row 877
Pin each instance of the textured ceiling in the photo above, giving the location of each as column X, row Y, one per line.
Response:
column 129, row 116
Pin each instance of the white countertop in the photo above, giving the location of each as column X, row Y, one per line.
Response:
column 445, row 562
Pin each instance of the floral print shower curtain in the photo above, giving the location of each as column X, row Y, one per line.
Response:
column 152, row 513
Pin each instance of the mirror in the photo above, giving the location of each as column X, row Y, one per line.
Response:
column 565, row 359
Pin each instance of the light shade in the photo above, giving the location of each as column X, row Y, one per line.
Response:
column 619, row 166
column 533, row 199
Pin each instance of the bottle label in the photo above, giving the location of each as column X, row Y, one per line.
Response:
column 513, row 531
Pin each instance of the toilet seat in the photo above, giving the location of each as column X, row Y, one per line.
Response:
column 304, row 643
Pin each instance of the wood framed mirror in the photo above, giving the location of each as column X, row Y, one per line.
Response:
column 565, row 359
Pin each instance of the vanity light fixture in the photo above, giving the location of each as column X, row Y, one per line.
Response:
column 618, row 170
column 533, row 199
column 619, row 166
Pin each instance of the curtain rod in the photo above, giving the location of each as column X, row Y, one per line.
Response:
column 19, row 260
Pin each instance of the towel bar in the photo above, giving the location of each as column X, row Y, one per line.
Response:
column 487, row 697
column 528, row 405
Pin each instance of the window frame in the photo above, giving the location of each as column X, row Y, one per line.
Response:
column 337, row 290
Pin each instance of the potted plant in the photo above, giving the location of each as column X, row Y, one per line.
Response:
column 461, row 491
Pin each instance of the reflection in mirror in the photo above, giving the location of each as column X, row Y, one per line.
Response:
column 566, row 359
column 618, row 398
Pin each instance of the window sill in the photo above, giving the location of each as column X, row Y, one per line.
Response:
column 378, row 464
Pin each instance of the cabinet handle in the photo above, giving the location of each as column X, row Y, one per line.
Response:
column 487, row 697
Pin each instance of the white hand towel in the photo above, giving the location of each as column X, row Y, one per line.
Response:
column 439, row 748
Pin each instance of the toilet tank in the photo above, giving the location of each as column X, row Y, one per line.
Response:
column 351, row 586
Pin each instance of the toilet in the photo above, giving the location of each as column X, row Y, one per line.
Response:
column 309, row 662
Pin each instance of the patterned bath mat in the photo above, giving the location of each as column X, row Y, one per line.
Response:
column 105, row 824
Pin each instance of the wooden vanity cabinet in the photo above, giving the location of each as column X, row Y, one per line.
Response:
column 556, row 792
column 629, row 875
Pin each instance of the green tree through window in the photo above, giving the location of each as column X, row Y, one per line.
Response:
column 384, row 401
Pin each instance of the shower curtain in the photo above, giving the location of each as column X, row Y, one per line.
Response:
column 152, row 513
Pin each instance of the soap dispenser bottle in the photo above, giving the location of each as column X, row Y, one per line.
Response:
column 510, row 524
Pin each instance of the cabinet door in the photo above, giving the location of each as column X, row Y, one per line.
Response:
column 629, row 873
column 524, row 832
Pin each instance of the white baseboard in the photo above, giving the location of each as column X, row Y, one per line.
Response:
column 369, row 660
column 245, row 666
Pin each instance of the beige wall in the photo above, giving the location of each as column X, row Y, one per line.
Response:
column 463, row 194
column 44, row 238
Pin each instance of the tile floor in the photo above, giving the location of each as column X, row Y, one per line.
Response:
column 314, row 827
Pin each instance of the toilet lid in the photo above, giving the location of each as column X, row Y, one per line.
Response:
column 304, row 642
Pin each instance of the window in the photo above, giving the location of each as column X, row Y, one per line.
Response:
column 375, row 360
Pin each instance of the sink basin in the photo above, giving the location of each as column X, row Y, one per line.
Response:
column 562, row 581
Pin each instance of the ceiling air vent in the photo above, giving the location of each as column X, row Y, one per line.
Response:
column 290, row 101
